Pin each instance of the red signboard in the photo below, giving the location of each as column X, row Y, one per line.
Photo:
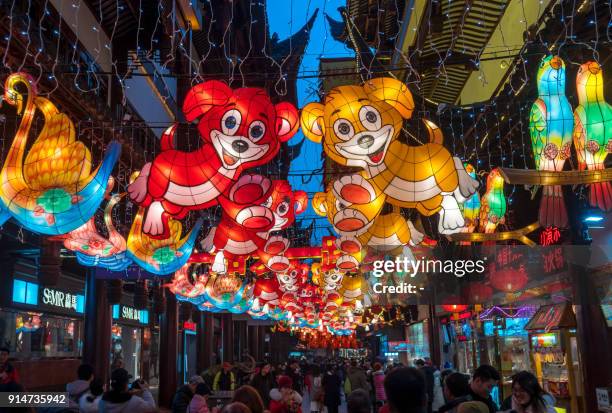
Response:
column 462, row 316
column 550, row 236
column 189, row 325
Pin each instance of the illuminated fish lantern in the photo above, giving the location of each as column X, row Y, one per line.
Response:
column 188, row 288
column 277, row 314
column 593, row 130
column 493, row 204
column 471, row 206
column 245, row 302
column 551, row 124
column 54, row 190
column 224, row 291
column 95, row 250
column 360, row 126
column 161, row 256
column 209, row 307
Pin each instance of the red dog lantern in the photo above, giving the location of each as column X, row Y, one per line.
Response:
column 253, row 208
column 266, row 291
column 240, row 129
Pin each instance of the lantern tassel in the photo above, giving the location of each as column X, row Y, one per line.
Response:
column 552, row 207
column 600, row 196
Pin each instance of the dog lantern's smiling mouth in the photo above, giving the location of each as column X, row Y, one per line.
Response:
column 235, row 150
column 369, row 146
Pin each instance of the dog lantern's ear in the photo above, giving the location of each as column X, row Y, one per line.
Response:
column 311, row 120
column 319, row 202
column 301, row 199
column 392, row 92
column 286, row 120
column 203, row 97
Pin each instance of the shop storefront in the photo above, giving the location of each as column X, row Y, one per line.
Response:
column 130, row 335
column 507, row 344
column 188, row 357
column 353, row 353
column 417, row 341
column 458, row 339
column 43, row 328
column 555, row 356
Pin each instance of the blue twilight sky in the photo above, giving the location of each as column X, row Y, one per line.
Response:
column 286, row 17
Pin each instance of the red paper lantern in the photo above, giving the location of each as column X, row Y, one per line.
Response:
column 451, row 305
column 508, row 280
column 478, row 293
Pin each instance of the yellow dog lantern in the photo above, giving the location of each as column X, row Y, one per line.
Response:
column 359, row 126
column 361, row 223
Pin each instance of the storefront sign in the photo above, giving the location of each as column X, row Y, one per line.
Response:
column 552, row 316
column 398, row 345
column 391, row 354
column 544, row 340
column 513, row 327
column 604, row 395
column 57, row 300
column 62, row 299
column 462, row 316
column 553, row 261
column 127, row 313
column 189, row 325
column 550, row 236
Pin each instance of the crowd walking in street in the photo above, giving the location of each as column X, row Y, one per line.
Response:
column 328, row 386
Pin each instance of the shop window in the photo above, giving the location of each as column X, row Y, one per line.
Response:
column 80, row 308
column 35, row 335
column 126, row 348
column 417, row 337
column 144, row 316
column 25, row 292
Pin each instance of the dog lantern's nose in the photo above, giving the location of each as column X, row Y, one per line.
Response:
column 240, row 146
column 366, row 141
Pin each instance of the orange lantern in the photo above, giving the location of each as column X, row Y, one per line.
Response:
column 54, row 190
column 359, row 126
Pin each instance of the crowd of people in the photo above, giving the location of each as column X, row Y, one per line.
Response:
column 371, row 388
column 360, row 387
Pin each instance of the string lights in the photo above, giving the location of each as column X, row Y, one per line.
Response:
column 241, row 106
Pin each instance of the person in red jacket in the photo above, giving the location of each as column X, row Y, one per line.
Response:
column 8, row 373
column 284, row 399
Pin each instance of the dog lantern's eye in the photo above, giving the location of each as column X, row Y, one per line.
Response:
column 257, row 130
column 231, row 122
column 268, row 202
column 343, row 129
column 340, row 205
column 370, row 118
column 282, row 209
